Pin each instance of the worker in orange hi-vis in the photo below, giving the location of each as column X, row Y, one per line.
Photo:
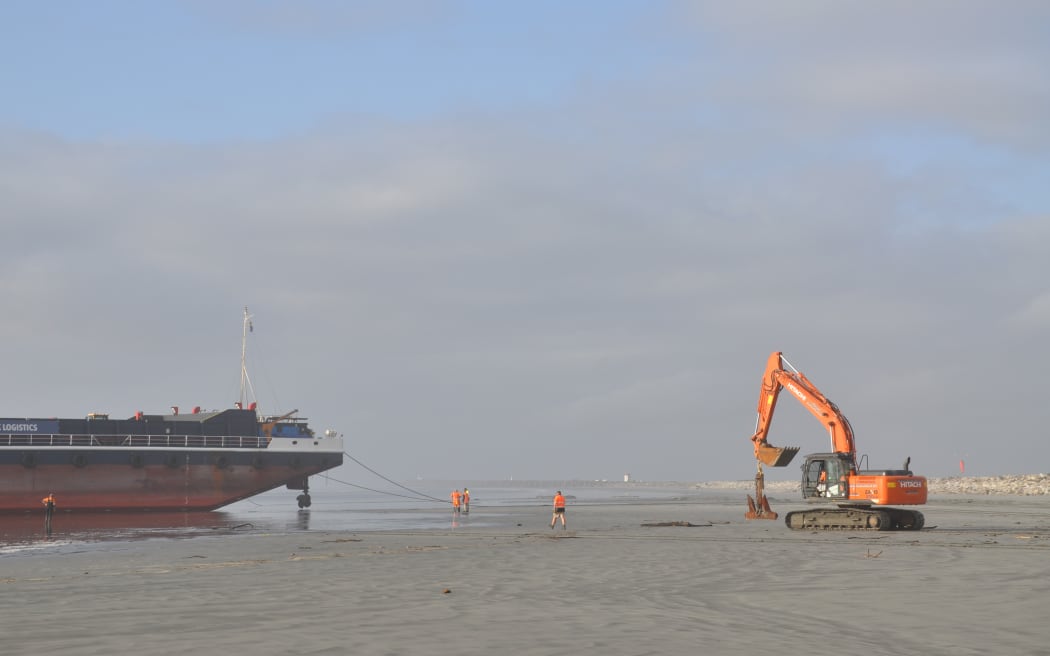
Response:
column 559, row 510
column 466, row 501
column 49, row 510
column 455, row 501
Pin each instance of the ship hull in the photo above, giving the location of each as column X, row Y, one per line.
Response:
column 151, row 479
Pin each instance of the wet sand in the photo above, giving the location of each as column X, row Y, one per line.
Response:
column 502, row 582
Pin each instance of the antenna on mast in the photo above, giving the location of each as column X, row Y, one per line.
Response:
column 246, row 383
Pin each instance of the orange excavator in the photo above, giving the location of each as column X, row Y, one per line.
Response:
column 862, row 497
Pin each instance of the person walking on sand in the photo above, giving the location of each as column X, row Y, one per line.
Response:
column 559, row 510
column 466, row 501
column 455, row 502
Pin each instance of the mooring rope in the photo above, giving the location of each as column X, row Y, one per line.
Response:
column 419, row 495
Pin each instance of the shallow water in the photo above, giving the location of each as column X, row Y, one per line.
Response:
column 335, row 506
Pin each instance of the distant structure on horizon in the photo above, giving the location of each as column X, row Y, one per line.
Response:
column 626, row 478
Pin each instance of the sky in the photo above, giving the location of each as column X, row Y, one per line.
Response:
column 540, row 240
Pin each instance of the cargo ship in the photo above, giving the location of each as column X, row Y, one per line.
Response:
column 194, row 461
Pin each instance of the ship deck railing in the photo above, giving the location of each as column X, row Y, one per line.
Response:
column 146, row 441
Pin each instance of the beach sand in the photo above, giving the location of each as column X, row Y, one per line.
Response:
column 502, row 582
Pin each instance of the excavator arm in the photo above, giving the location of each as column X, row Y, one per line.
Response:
column 781, row 375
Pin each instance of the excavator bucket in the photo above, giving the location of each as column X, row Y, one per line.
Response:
column 775, row 456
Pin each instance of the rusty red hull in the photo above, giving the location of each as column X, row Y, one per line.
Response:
column 149, row 479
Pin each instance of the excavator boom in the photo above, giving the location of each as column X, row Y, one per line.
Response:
column 780, row 375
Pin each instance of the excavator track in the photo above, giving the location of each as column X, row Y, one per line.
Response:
column 849, row 518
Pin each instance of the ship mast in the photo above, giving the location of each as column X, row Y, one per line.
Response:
column 246, row 383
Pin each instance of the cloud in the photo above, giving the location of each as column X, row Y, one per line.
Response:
column 825, row 66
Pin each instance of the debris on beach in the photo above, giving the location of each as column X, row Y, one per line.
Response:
column 677, row 523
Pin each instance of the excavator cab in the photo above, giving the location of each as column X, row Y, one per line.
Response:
column 826, row 476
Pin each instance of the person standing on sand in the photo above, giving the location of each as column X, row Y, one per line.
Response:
column 49, row 510
column 559, row 510
column 466, row 501
column 455, row 502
